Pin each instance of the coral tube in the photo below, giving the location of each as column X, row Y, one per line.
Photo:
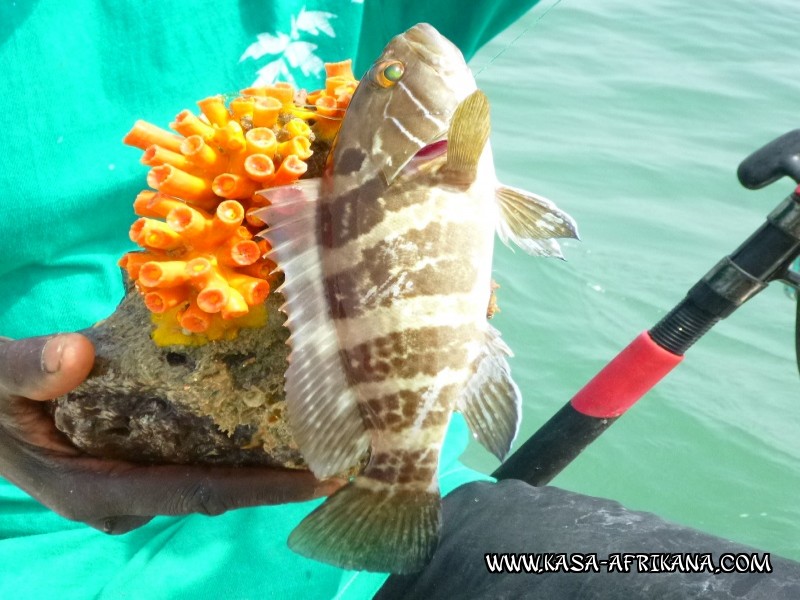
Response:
column 165, row 273
column 261, row 140
column 342, row 68
column 202, row 155
column 174, row 182
column 291, row 169
column 161, row 300
column 202, row 231
column 243, row 107
column 141, row 206
column 265, row 112
column 259, row 167
column 143, row 135
column 154, row 234
column 214, row 297
column 282, row 91
column 231, row 186
column 189, row 222
column 230, row 137
column 298, row 127
column 194, row 319
column 160, row 205
column 215, row 110
column 253, row 290
column 156, row 155
column 132, row 262
column 186, row 123
column 298, row 145
column 238, row 253
column 329, row 117
column 235, row 307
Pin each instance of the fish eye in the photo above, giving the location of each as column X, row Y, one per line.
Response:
column 387, row 73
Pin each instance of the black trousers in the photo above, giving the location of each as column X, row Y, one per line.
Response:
column 513, row 517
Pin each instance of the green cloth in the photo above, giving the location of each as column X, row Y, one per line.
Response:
column 76, row 75
column 241, row 554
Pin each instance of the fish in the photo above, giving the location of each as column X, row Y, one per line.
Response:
column 387, row 262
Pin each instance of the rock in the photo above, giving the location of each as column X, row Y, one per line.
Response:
column 219, row 403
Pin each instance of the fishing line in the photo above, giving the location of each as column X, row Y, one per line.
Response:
column 516, row 39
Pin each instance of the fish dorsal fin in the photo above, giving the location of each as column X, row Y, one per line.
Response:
column 491, row 403
column 322, row 409
column 532, row 222
column 469, row 131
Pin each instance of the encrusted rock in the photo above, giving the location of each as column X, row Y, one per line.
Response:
column 218, row 403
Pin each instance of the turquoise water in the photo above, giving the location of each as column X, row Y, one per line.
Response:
column 633, row 117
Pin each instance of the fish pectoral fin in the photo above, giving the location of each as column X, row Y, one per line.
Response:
column 385, row 529
column 321, row 407
column 491, row 402
column 466, row 139
column 532, row 221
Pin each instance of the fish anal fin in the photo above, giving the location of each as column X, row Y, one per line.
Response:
column 491, row 402
column 367, row 527
column 322, row 409
column 532, row 222
column 466, row 139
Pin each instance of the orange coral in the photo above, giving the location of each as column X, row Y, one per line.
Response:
column 331, row 101
column 205, row 266
column 201, row 273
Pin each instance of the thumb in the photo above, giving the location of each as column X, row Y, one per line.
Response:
column 43, row 368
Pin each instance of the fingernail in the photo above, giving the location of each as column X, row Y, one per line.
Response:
column 51, row 355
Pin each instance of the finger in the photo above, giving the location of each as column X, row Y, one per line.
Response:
column 118, row 525
column 43, row 368
column 213, row 491
column 147, row 490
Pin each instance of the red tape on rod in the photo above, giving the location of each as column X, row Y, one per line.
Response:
column 628, row 377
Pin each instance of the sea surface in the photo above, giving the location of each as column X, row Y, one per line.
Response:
column 633, row 117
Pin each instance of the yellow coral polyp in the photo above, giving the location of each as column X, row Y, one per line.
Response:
column 202, row 155
column 260, row 167
column 299, row 146
column 201, row 273
column 261, row 140
column 298, row 128
column 215, row 110
column 230, row 137
column 266, row 111
column 232, row 186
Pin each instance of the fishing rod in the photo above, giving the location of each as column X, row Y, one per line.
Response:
column 766, row 256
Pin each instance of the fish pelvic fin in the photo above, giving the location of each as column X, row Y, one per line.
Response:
column 532, row 222
column 491, row 402
column 369, row 525
column 469, row 132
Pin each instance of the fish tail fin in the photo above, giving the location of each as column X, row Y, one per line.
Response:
column 369, row 525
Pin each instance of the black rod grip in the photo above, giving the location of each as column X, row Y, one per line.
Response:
column 557, row 443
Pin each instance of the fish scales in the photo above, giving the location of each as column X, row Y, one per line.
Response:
column 387, row 264
column 436, row 244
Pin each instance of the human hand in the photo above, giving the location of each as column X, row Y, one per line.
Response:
column 113, row 496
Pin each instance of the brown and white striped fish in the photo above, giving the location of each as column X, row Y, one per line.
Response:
column 387, row 262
